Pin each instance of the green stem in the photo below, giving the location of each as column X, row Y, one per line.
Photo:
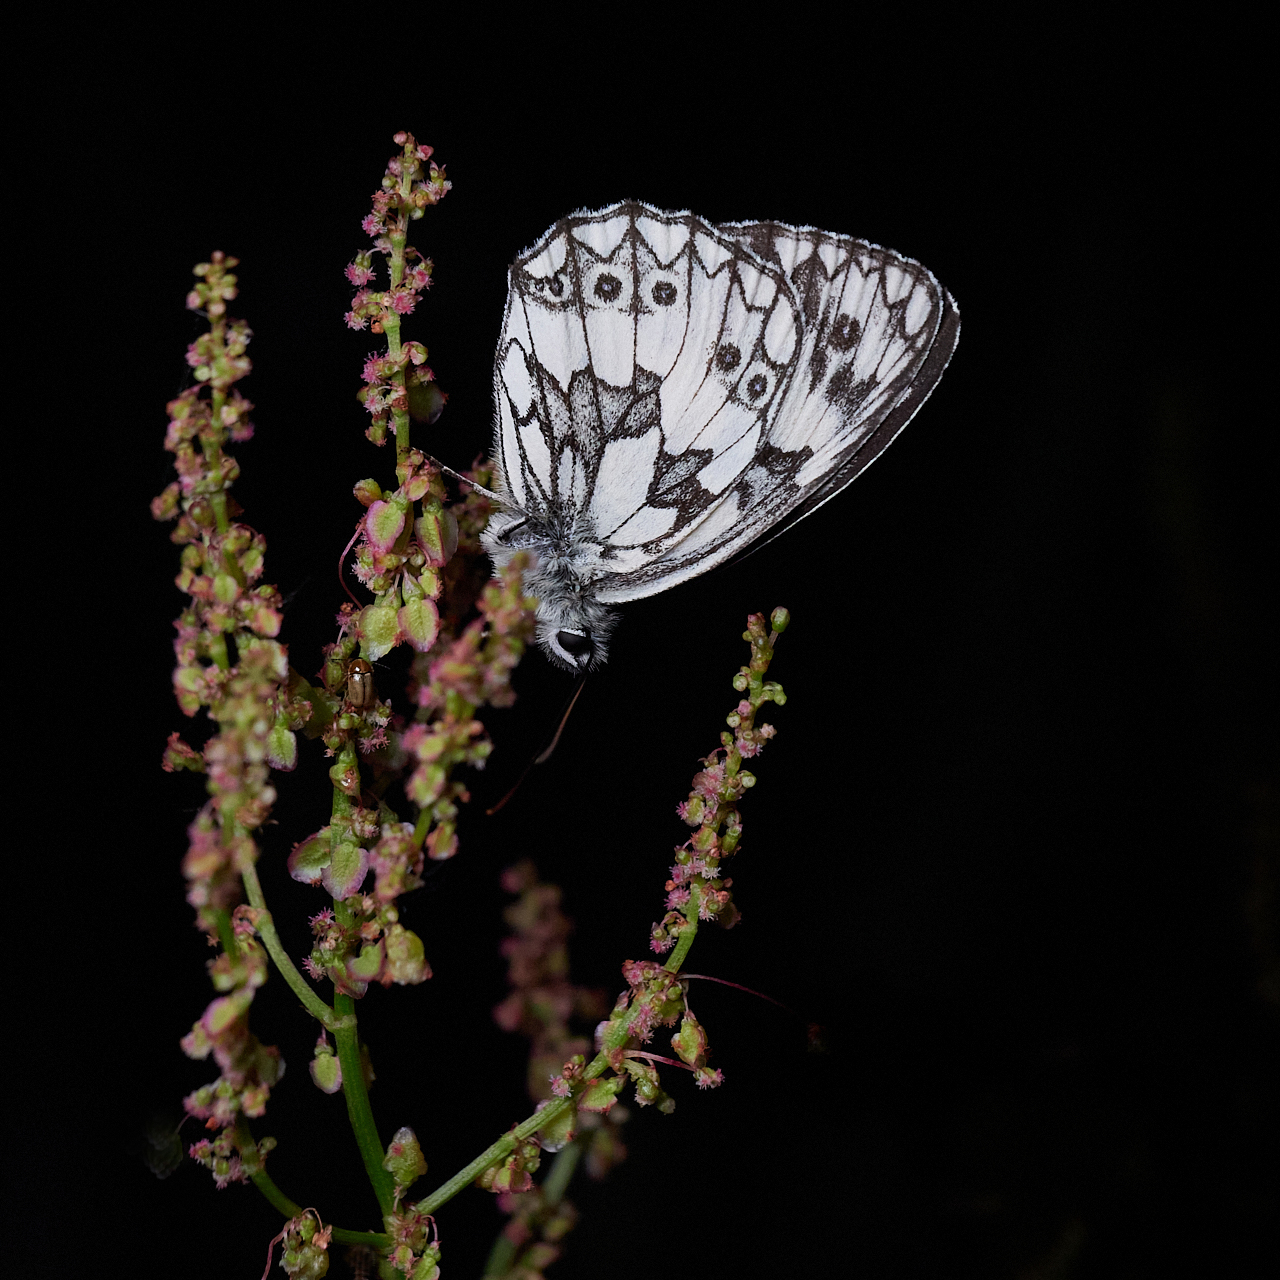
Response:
column 688, row 933
column 218, row 501
column 421, row 827
column 359, row 1111
column 226, row 933
column 399, row 237
column 374, row 1239
column 211, row 448
column 500, row 1150
column 497, row 1151
column 399, row 417
column 275, row 949
column 262, row 1180
column 278, row 1200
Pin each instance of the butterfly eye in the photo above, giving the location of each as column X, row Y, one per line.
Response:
column 664, row 293
column 578, row 646
column 844, row 333
column 728, row 357
column 608, row 287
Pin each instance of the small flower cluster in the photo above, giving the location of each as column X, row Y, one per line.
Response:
column 541, row 1002
column 542, row 998
column 232, row 1156
column 229, row 661
column 415, row 1247
column 399, row 558
column 247, row 1068
column 305, row 1255
column 406, row 560
column 461, row 676
column 398, row 382
column 696, row 889
column 368, row 943
column 539, row 1222
column 656, row 995
column 415, row 1244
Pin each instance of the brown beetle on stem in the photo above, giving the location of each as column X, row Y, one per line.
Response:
column 361, row 695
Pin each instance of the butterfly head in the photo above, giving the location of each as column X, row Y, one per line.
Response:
column 572, row 648
column 573, row 628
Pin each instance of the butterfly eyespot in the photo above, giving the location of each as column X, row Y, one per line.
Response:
column 555, row 286
column 757, row 386
column 844, row 333
column 608, row 288
column 579, row 646
column 728, row 357
column 664, row 293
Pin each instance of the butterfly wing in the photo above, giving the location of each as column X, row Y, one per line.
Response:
column 643, row 359
column 879, row 331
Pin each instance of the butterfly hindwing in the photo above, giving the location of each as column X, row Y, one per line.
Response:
column 878, row 332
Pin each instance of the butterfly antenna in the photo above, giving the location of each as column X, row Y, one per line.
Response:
column 545, row 754
column 342, row 582
column 564, row 720
column 814, row 1030
column 479, row 488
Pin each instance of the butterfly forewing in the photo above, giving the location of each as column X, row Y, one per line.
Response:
column 642, row 359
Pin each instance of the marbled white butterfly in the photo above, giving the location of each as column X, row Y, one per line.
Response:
column 671, row 392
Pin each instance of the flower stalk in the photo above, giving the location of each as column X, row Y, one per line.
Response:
column 418, row 554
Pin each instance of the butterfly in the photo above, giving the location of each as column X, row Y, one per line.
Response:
column 671, row 392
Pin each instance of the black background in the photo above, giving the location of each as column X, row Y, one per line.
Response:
column 1014, row 844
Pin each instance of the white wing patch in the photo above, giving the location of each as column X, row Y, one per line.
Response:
column 670, row 391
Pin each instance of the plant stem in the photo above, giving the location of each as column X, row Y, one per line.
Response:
column 278, row 1200
column 262, row 1180
column 501, row 1149
column 358, row 1109
column 374, row 1239
column 688, row 933
column 226, row 933
column 275, row 949
column 498, row 1151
